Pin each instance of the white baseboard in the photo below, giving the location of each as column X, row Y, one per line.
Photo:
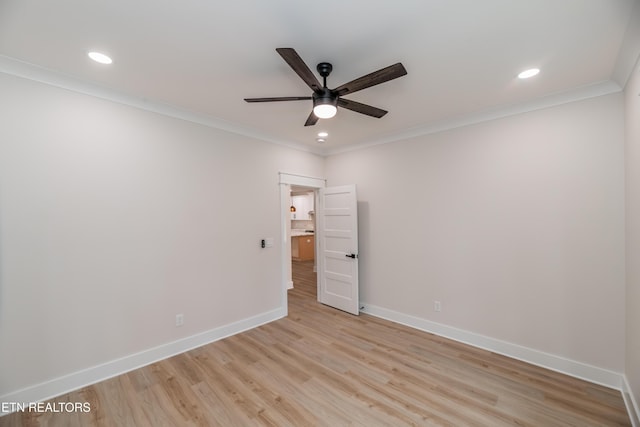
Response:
column 85, row 377
column 290, row 284
column 631, row 403
column 555, row 363
column 79, row 379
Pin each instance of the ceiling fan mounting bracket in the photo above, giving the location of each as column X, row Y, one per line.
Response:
column 324, row 69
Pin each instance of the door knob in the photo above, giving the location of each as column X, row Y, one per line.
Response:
column 351, row 255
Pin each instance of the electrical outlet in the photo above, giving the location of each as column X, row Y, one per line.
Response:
column 179, row 320
column 437, row 306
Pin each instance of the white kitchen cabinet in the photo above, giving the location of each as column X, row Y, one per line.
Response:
column 303, row 204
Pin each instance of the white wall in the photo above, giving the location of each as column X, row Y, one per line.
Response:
column 632, row 156
column 113, row 220
column 515, row 225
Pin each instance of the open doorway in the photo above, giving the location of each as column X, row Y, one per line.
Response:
column 300, row 224
column 303, row 241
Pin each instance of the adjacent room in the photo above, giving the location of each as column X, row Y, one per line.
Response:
column 424, row 212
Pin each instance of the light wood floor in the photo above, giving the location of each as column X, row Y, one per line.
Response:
column 323, row 367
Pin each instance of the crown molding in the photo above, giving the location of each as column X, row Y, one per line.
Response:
column 578, row 94
column 36, row 73
column 15, row 67
column 629, row 49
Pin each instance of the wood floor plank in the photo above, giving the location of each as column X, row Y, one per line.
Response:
column 323, row 367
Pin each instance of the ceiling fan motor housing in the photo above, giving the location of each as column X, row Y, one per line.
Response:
column 324, row 97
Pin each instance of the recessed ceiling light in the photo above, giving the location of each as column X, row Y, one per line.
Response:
column 323, row 134
column 528, row 73
column 100, row 57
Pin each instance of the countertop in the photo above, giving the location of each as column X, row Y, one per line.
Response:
column 299, row 232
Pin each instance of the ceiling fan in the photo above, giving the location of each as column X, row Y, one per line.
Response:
column 325, row 100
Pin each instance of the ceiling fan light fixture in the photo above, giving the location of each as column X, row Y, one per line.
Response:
column 325, row 111
column 325, row 104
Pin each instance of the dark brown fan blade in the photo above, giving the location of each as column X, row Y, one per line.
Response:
column 293, row 59
column 361, row 108
column 280, row 98
column 311, row 120
column 383, row 75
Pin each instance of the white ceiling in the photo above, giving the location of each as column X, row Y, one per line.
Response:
column 203, row 57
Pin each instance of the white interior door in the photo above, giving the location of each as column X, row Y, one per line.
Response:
column 337, row 217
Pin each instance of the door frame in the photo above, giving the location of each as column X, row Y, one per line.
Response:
column 286, row 180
